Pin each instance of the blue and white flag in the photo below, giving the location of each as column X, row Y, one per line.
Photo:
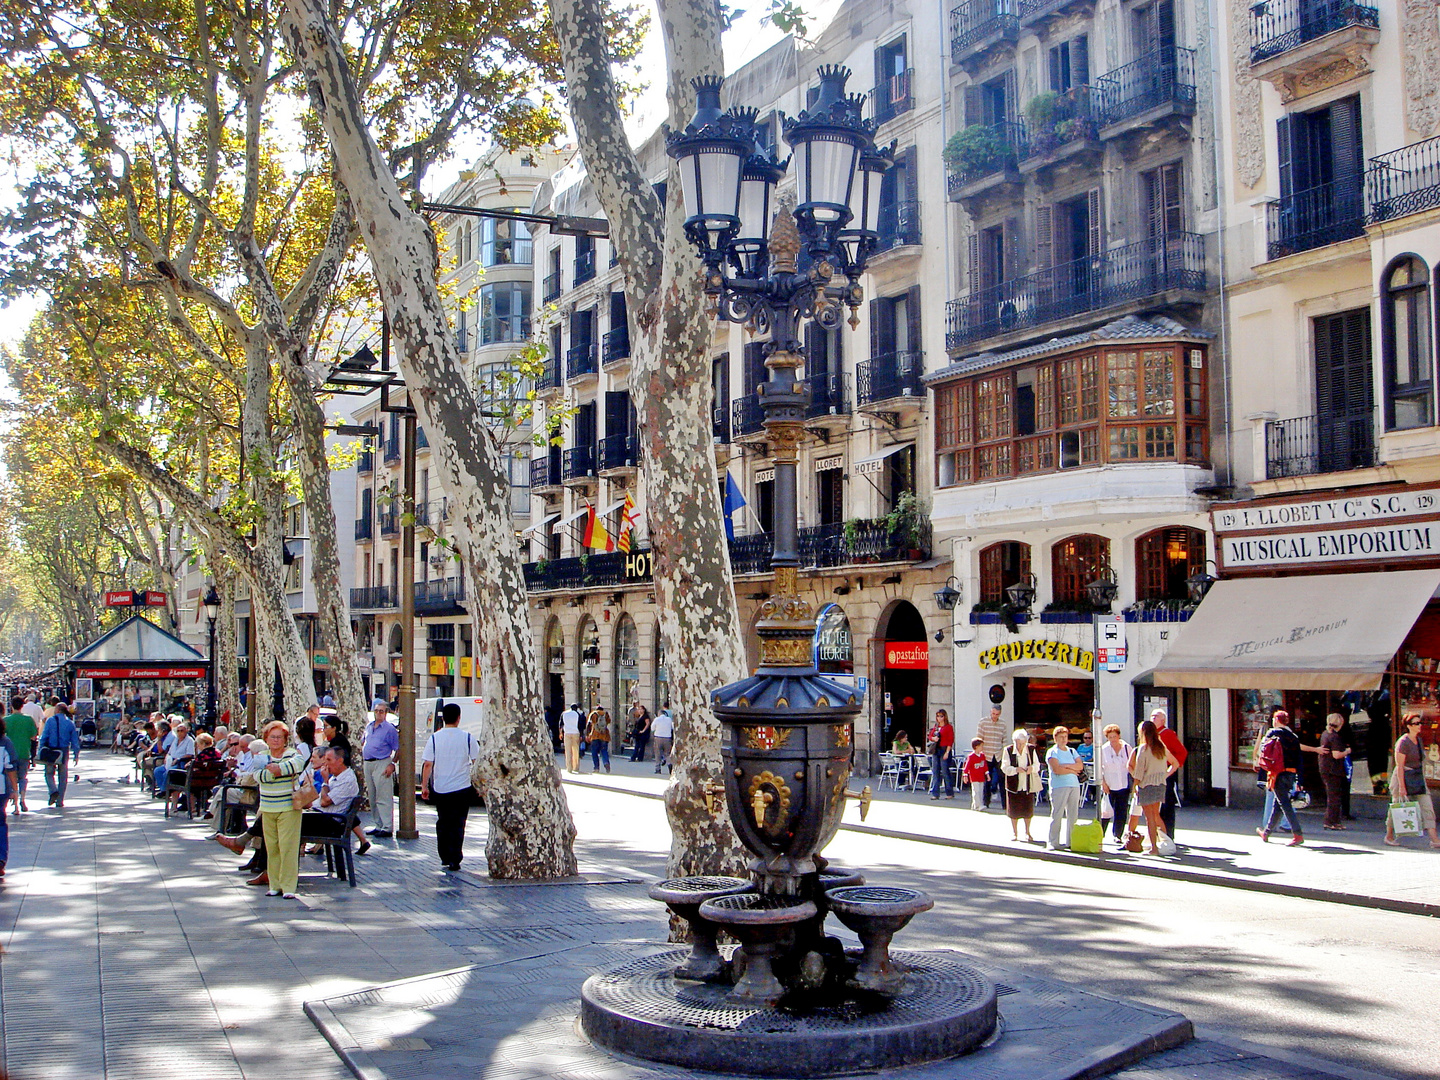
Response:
column 734, row 500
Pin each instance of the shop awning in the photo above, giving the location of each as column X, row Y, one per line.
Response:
column 871, row 464
column 612, row 508
column 1308, row 632
column 576, row 516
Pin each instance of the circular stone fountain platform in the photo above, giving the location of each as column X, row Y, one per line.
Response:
column 641, row 1010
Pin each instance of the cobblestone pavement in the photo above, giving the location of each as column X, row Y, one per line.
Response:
column 1218, row 845
column 133, row 949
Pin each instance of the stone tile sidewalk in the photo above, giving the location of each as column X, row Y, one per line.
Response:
column 1218, row 845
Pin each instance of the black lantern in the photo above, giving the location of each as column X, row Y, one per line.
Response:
column 1021, row 595
column 827, row 139
column 710, row 154
column 1103, row 590
column 947, row 596
column 757, row 201
column 861, row 236
column 211, row 603
column 1198, row 583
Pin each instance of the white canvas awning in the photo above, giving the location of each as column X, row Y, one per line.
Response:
column 574, row 517
column 1309, row 632
column 871, row 464
column 539, row 526
column 612, row 508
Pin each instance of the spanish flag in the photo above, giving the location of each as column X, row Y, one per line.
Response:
column 595, row 535
column 627, row 522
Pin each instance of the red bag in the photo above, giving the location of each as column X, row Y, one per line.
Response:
column 1272, row 756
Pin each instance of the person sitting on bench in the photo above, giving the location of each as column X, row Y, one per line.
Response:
column 327, row 816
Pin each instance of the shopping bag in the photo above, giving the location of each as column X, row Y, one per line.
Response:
column 1086, row 837
column 1405, row 818
column 1107, row 808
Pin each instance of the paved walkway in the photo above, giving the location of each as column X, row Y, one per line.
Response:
column 1218, row 845
column 131, row 948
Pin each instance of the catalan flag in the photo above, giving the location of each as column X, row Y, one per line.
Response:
column 627, row 522
column 595, row 535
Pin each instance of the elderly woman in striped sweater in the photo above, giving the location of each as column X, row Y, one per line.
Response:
column 280, row 820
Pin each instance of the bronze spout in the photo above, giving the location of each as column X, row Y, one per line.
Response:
column 758, row 802
column 865, row 798
column 714, row 797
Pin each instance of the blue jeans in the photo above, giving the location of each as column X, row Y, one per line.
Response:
column 1270, row 806
column 940, row 768
column 4, row 838
column 57, row 776
column 1284, row 785
column 600, row 748
column 160, row 773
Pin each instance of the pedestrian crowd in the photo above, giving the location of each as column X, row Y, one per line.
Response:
column 592, row 732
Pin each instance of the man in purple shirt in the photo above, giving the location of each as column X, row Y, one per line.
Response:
column 380, row 748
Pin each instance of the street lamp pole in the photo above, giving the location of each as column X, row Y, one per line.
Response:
column 407, row 829
column 211, row 603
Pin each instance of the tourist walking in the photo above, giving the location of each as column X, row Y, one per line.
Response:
column 977, row 773
column 23, row 733
column 597, row 734
column 639, row 731
column 9, row 790
column 445, row 783
column 59, row 738
column 1066, row 766
column 570, row 727
column 1176, row 746
column 1407, row 781
column 1151, row 764
column 992, row 738
column 1280, row 754
column 662, row 728
column 279, row 817
column 380, row 748
column 1334, row 754
column 1020, row 766
column 940, row 745
column 1114, row 770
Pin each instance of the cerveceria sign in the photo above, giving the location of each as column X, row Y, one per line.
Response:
column 1396, row 525
column 1037, row 649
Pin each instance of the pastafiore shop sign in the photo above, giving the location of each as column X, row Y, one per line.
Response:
column 1033, row 650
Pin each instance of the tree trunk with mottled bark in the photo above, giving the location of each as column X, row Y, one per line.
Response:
column 531, row 831
column 670, row 377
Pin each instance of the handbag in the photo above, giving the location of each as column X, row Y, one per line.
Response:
column 1405, row 818
column 304, row 795
column 49, row 755
column 1134, row 843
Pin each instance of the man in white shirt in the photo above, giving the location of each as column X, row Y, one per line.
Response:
column 445, row 783
column 662, row 730
column 32, row 709
column 570, row 721
column 182, row 749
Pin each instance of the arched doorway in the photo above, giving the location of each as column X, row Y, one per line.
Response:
column 589, row 639
column 662, row 673
column 627, row 667
column 553, row 659
column 903, row 660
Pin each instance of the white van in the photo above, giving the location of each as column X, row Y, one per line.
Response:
column 472, row 712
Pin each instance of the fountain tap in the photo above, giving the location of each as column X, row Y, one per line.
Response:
column 865, row 797
column 714, row 793
column 758, row 802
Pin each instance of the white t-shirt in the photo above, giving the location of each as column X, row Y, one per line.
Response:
column 451, row 750
column 35, row 712
column 570, row 722
column 662, row 727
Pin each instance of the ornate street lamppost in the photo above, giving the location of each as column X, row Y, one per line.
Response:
column 211, row 603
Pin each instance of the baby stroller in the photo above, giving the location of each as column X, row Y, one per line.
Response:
column 89, row 732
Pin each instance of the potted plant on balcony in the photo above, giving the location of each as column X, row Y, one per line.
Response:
column 976, row 151
column 904, row 524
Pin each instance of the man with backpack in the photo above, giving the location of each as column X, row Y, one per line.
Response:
column 1279, row 756
column 57, row 737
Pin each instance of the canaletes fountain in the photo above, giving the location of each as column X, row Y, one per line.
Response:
column 789, row 999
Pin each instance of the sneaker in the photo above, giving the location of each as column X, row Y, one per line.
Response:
column 1264, row 835
column 289, row 896
column 363, row 848
column 1296, row 842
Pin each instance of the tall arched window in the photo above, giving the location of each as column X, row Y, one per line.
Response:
column 554, row 648
column 1409, row 362
column 627, row 664
column 1075, row 562
column 1002, row 565
column 589, row 639
column 1164, row 559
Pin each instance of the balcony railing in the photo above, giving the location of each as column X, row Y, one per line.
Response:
column 392, row 451
column 827, row 395
column 580, row 360
column 751, row 554
column 584, row 266
column 365, row 463
column 1034, row 9
column 1311, row 445
column 1165, row 77
column 549, row 374
column 1072, row 120
column 432, row 514
column 619, row 452
column 1315, row 217
column 544, row 472
column 578, row 463
column 975, row 22
column 1404, row 181
column 439, row 596
column 605, row 569
column 616, row 345
column 364, row 528
column 1277, row 26
column 894, row 96
column 992, row 150
column 746, row 416
column 890, row 375
column 551, row 289
column 862, row 540
column 899, row 224
column 1130, row 273
column 373, row 598
column 389, row 521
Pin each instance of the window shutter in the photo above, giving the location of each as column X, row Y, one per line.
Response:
column 1057, row 77
column 913, row 340
column 1012, row 248
column 1346, row 155
column 755, row 372
column 882, row 75
column 1165, row 23
column 1359, row 390
column 1283, row 135
column 1079, row 61
column 973, row 258
column 974, row 105
column 876, row 335
column 617, row 412
column 1012, row 106
column 1095, row 244
column 911, row 193
column 1326, row 368
column 1044, row 237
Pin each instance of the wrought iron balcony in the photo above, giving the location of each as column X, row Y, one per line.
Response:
column 584, row 266
column 364, row 528
column 549, row 375
column 551, row 289
column 619, row 452
column 890, row 376
column 1404, row 181
column 616, row 345
column 827, row 395
column 389, row 520
column 1159, row 80
column 751, row 554
column 863, row 540
column 392, row 451
column 1030, row 10
column 894, row 96
column 373, row 598
column 580, row 360
column 365, row 463
column 1311, row 445
column 432, row 514
column 899, row 224
column 985, row 152
column 1277, row 26
column 1122, row 275
column 1315, row 217
column 441, row 596
column 1072, row 121
column 976, row 24
column 578, row 463
column 746, row 416
column 545, row 471
column 604, row 569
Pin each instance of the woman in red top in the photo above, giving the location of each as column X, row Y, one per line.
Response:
column 940, row 745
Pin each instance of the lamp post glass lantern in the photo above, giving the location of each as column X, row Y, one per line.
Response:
column 211, row 603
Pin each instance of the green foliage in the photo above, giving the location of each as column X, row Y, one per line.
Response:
column 906, row 519
column 976, row 149
column 1040, row 111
